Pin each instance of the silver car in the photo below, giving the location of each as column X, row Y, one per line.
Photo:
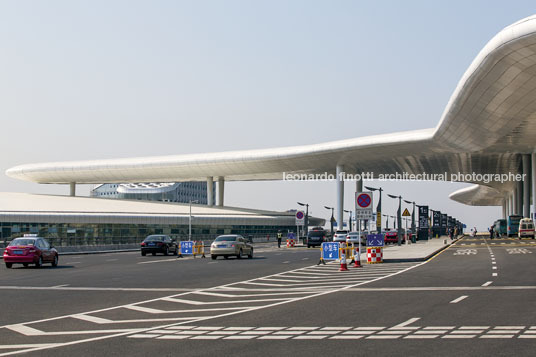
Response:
column 231, row 245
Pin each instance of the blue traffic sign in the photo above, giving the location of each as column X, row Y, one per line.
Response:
column 187, row 247
column 330, row 250
column 291, row 236
column 375, row 240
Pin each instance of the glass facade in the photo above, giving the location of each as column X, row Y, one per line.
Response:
column 90, row 234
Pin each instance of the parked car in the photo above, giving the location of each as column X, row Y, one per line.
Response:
column 340, row 236
column 316, row 237
column 392, row 237
column 30, row 250
column 230, row 245
column 159, row 243
column 526, row 228
column 353, row 237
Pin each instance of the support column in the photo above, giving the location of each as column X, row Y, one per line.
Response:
column 340, row 197
column 220, row 188
column 504, row 209
column 511, row 200
column 526, row 186
column 519, row 198
column 210, row 191
column 533, row 179
column 72, row 189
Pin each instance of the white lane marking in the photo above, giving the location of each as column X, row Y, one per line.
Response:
column 497, row 336
column 238, row 337
column 59, row 286
column 439, row 327
column 346, row 337
column 383, row 337
column 220, row 302
column 494, row 274
column 94, row 319
column 206, row 337
column 310, row 337
column 197, row 319
column 76, row 288
column 455, row 301
column 31, row 345
column 421, row 336
column 159, row 261
column 408, row 322
column 111, row 260
column 474, row 327
column 509, row 327
column 458, row 336
column 286, row 262
column 272, row 337
column 487, row 283
column 494, row 268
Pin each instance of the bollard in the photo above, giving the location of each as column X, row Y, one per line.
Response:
column 344, row 265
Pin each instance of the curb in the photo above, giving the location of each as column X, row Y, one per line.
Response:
column 410, row 260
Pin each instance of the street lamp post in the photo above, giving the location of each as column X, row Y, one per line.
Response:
column 332, row 219
column 386, row 222
column 399, row 217
column 190, row 220
column 378, row 208
column 349, row 220
column 412, row 216
column 394, row 221
column 306, row 225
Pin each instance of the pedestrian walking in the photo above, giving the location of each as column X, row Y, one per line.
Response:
column 279, row 236
column 491, row 232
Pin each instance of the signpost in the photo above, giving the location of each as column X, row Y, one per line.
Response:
column 187, row 248
column 330, row 250
column 436, row 223
column 406, row 213
column 423, row 222
column 363, row 210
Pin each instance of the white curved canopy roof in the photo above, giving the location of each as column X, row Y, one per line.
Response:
column 489, row 120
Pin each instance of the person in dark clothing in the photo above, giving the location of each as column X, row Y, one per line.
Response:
column 279, row 236
column 491, row 232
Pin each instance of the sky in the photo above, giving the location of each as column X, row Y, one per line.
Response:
column 110, row 79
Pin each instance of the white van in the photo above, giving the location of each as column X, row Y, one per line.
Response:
column 526, row 228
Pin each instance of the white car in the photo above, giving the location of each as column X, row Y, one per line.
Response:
column 340, row 236
column 353, row 237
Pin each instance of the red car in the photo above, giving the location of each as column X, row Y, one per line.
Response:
column 30, row 250
column 392, row 237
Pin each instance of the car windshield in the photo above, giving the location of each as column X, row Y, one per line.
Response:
column 22, row 241
column 225, row 239
column 316, row 234
column 154, row 239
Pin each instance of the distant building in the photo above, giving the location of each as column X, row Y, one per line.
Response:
column 182, row 192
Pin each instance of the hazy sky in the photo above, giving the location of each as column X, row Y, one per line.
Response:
column 107, row 79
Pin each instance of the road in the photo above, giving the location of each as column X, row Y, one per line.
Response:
column 477, row 297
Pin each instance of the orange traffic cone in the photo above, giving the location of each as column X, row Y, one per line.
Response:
column 344, row 266
column 357, row 260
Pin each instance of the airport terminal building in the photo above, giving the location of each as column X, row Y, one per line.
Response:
column 75, row 221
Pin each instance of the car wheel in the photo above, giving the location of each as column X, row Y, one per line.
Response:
column 225, row 257
column 239, row 256
column 9, row 265
column 39, row 263
column 143, row 253
column 153, row 254
column 55, row 261
column 214, row 257
column 250, row 255
column 166, row 251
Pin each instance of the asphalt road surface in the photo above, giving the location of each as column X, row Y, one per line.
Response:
column 477, row 297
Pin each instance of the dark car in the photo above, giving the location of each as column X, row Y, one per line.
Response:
column 315, row 238
column 159, row 243
column 30, row 250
